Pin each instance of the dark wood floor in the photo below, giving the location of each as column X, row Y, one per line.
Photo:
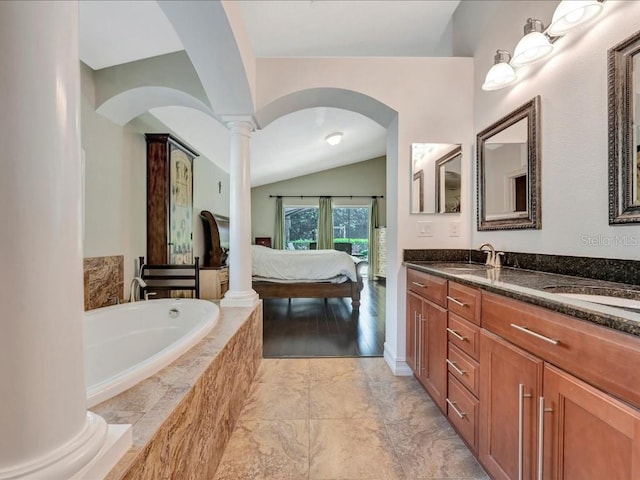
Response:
column 315, row 327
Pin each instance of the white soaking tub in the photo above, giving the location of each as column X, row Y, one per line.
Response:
column 124, row 344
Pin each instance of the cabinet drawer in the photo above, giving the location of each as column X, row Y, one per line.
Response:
column 603, row 357
column 462, row 411
column 224, row 275
column 463, row 368
column 464, row 301
column 464, row 335
column 428, row 286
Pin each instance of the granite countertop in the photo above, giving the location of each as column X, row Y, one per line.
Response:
column 543, row 289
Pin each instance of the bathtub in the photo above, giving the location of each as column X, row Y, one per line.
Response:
column 124, row 344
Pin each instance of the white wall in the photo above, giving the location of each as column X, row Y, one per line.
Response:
column 115, row 184
column 207, row 195
column 573, row 89
column 433, row 98
column 362, row 178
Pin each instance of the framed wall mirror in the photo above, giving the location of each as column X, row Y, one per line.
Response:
column 509, row 171
column 624, row 131
column 436, row 178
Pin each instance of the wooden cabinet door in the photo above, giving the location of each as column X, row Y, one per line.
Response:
column 510, row 384
column 414, row 313
column 588, row 434
column 433, row 362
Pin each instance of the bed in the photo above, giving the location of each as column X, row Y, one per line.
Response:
column 306, row 274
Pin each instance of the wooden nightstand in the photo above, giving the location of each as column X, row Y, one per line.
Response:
column 214, row 282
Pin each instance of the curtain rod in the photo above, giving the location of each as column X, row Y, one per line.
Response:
column 326, row 196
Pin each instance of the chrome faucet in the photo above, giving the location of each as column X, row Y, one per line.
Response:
column 140, row 283
column 491, row 253
column 149, row 294
column 494, row 259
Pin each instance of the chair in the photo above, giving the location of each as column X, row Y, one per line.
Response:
column 167, row 278
column 343, row 247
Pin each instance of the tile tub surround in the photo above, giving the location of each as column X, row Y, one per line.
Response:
column 606, row 269
column 103, row 279
column 342, row 418
column 183, row 416
column 529, row 286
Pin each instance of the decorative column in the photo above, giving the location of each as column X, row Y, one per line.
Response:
column 240, row 293
column 45, row 430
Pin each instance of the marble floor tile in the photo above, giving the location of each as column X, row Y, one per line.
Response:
column 377, row 370
column 283, row 370
column 358, row 422
column 341, row 399
column 433, row 450
column 276, row 401
column 351, row 449
column 334, row 369
column 403, row 401
column 266, row 450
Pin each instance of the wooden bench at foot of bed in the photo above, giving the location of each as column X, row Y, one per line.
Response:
column 314, row 290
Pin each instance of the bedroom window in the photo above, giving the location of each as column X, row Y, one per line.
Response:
column 300, row 227
column 350, row 229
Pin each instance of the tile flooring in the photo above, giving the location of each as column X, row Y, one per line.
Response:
column 342, row 418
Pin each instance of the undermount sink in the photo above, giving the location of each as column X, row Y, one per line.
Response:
column 613, row 297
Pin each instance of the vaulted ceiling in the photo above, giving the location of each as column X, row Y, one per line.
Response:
column 115, row 33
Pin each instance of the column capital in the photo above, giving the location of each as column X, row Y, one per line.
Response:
column 242, row 122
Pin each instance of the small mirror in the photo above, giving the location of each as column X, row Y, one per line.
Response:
column 508, row 171
column 436, row 173
column 624, row 131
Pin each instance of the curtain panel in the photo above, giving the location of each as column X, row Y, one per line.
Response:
column 373, row 224
column 325, row 224
column 278, row 235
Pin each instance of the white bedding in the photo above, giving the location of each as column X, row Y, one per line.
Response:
column 301, row 265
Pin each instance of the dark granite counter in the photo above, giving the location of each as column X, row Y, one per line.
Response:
column 545, row 289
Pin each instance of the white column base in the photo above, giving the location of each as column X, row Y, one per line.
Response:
column 248, row 298
column 399, row 367
column 119, row 441
column 65, row 461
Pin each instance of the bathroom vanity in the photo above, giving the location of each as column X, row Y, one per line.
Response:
column 539, row 383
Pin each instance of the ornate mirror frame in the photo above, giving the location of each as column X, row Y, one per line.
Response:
column 622, row 208
column 533, row 219
column 439, row 164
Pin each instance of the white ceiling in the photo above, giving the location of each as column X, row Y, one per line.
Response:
column 115, row 32
column 400, row 28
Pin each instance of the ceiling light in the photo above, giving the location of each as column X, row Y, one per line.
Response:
column 571, row 13
column 334, row 138
column 501, row 74
column 533, row 46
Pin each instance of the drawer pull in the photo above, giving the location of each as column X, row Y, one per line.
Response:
column 456, row 368
column 418, row 284
column 455, row 409
column 456, row 301
column 521, row 397
column 534, row 334
column 456, row 334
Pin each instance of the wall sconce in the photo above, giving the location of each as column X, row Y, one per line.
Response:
column 501, row 74
column 534, row 46
column 537, row 42
column 571, row 13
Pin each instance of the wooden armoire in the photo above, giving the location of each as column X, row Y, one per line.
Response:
column 169, row 200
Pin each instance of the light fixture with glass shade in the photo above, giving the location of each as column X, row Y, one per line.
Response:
column 533, row 46
column 334, row 138
column 501, row 74
column 571, row 13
